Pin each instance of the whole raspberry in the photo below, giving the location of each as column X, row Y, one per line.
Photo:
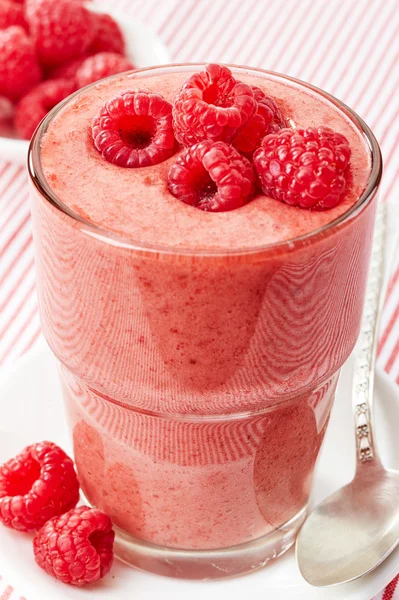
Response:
column 101, row 65
column 267, row 119
column 107, row 35
column 211, row 105
column 68, row 70
column 36, row 485
column 33, row 107
column 212, row 176
column 19, row 69
column 77, row 547
column 304, row 167
column 134, row 129
column 61, row 30
column 11, row 14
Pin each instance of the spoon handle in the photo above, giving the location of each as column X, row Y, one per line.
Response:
column 363, row 381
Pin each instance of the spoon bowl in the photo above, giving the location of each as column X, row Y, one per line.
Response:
column 353, row 530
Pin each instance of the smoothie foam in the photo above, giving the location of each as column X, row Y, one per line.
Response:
column 136, row 204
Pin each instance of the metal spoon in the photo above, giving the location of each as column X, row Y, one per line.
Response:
column 352, row 531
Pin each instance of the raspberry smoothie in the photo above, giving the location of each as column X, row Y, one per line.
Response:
column 199, row 351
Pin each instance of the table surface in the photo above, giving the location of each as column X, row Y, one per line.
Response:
column 350, row 48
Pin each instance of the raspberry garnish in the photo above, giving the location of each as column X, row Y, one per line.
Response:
column 211, row 105
column 101, row 65
column 134, row 129
column 77, row 547
column 61, row 30
column 36, row 485
column 267, row 119
column 107, row 35
column 19, row 69
column 33, row 107
column 212, row 176
column 304, row 167
column 11, row 14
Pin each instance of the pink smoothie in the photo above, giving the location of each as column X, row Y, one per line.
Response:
column 199, row 351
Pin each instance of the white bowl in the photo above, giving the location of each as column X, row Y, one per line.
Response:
column 143, row 47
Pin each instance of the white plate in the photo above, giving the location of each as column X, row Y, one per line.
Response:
column 143, row 47
column 31, row 410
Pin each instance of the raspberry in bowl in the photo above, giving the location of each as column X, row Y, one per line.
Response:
column 116, row 44
column 202, row 243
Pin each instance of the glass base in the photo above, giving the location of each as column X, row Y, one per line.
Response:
column 208, row 564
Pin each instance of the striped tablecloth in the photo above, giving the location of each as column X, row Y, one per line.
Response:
column 348, row 47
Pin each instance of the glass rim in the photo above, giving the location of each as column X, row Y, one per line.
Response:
column 39, row 181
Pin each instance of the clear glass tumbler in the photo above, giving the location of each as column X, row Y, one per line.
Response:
column 198, row 385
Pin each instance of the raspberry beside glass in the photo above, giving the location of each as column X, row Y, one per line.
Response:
column 199, row 352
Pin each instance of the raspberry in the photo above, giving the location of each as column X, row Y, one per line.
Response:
column 304, row 167
column 101, row 65
column 36, row 485
column 6, row 110
column 11, row 14
column 68, row 70
column 267, row 119
column 212, row 176
column 19, row 69
column 134, row 129
column 107, row 35
column 33, row 107
column 211, row 105
column 77, row 547
column 30, row 4
column 61, row 30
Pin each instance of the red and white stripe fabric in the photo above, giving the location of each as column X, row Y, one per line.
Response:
column 348, row 47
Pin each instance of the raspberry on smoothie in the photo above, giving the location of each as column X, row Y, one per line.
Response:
column 134, row 129
column 212, row 176
column 211, row 105
column 266, row 119
column 306, row 168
